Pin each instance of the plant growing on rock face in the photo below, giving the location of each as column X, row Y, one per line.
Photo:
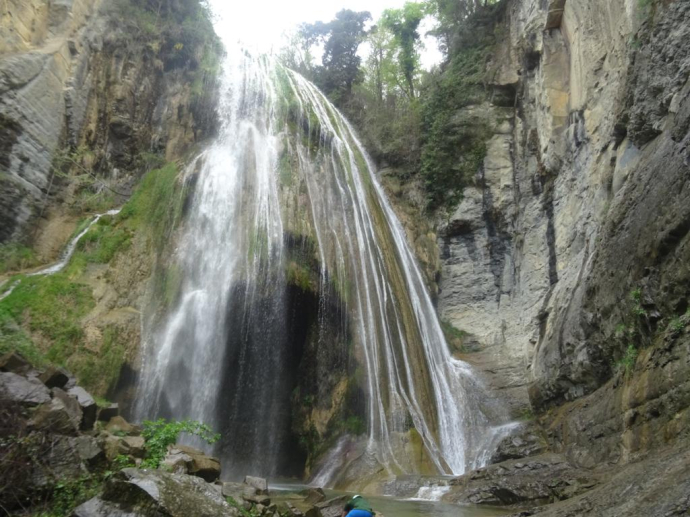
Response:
column 636, row 297
column 627, row 362
column 160, row 434
column 676, row 324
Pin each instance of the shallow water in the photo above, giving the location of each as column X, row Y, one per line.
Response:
column 392, row 507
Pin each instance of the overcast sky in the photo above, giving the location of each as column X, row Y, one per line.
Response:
column 261, row 23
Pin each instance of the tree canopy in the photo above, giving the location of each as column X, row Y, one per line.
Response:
column 341, row 38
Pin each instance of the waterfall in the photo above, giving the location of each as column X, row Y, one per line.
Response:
column 287, row 163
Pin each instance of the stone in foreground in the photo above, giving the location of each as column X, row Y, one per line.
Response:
column 205, row 467
column 22, row 390
column 260, row 484
column 147, row 493
column 88, row 407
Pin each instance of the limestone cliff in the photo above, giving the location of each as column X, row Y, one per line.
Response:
column 565, row 265
column 89, row 76
column 93, row 95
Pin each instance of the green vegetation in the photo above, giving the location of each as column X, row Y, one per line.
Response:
column 341, row 38
column 452, row 332
column 627, row 363
column 355, row 425
column 676, row 324
column 407, row 117
column 156, row 204
column 300, row 276
column 51, row 307
column 103, row 241
column 15, row 257
column 175, row 30
column 100, row 371
column 67, row 494
column 42, row 318
column 160, row 434
column 403, row 24
column 636, row 297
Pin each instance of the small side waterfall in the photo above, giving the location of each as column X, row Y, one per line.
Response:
column 286, row 163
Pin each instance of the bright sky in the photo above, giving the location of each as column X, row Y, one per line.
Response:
column 261, row 24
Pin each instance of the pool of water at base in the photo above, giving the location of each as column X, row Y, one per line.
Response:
column 393, row 507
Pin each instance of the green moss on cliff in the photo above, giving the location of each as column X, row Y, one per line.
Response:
column 103, row 241
column 156, row 205
column 99, row 370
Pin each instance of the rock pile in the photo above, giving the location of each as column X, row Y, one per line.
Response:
column 52, row 432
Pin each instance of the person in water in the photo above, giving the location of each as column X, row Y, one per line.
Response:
column 358, row 507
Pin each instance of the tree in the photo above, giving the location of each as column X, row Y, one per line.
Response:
column 341, row 38
column 403, row 23
column 451, row 15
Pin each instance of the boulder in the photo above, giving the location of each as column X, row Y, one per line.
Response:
column 71, row 404
column 118, row 425
column 88, row 450
column 333, row 507
column 255, row 498
column 144, row 493
column 313, row 495
column 136, row 446
column 13, row 362
column 25, row 391
column 537, row 480
column 178, row 462
column 88, row 407
column 54, row 377
column 58, row 461
column 525, row 442
column 203, row 466
column 290, row 510
column 314, row 512
column 260, row 484
column 115, row 446
column 105, row 414
column 53, row 417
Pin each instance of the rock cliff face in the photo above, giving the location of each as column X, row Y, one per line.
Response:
column 74, row 74
column 566, row 266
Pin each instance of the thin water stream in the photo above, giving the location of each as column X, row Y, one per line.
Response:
column 65, row 256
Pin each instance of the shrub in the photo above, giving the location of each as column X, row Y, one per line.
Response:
column 160, row 434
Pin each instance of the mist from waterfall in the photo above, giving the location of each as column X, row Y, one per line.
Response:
column 221, row 354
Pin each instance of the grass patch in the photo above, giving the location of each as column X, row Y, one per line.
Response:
column 14, row 257
column 103, row 241
column 51, row 307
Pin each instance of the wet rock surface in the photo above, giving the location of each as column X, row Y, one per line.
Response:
column 536, row 480
column 658, row 486
column 134, row 492
column 528, row 440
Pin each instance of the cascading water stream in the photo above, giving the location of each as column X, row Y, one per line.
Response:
column 221, row 354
